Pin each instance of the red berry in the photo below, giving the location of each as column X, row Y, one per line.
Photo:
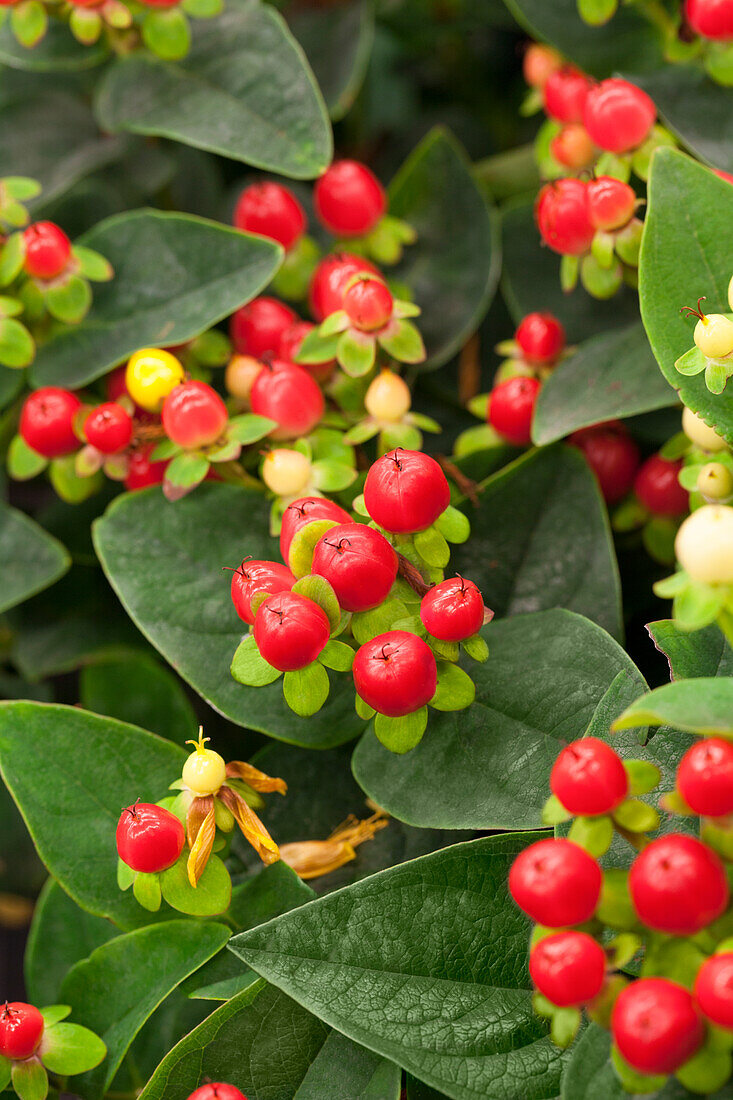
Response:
column 194, row 415
column 452, row 610
column 612, row 456
column 589, row 778
column 47, row 422
column 565, row 93
column 47, row 250
column 21, row 1028
column 540, row 62
column 395, row 673
column 572, row 147
column 304, row 511
column 256, row 328
column 568, row 968
column 330, row 280
column 258, row 576
column 108, row 428
column 290, row 343
column 556, row 883
column 714, row 989
column 678, row 885
column 511, row 408
column 611, row 203
column 541, row 338
column 656, row 1026
column 618, row 115
column 290, row 630
column 141, row 472
column 405, row 491
column 705, row 777
column 349, row 199
column 710, row 18
column 149, row 838
column 359, row 563
column 287, row 394
column 368, row 303
column 270, row 210
column 723, row 175
column 217, row 1091
column 658, row 488
column 563, row 217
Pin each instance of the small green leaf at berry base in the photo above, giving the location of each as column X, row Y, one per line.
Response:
column 68, row 485
column 125, row 875
column 600, row 1009
column 453, row 525
column 335, row 323
column 23, row 462
column 399, row 735
column 21, row 187
column 717, row 373
column 432, row 548
column 674, row 958
column 5, row 1070
column 356, row 353
column 698, row 605
column 337, row 655
column 615, row 907
column 456, row 690
column 249, row 428
column 92, row 265
column 29, row 22
column 332, row 477
column 183, row 474
column 597, row 12
column 633, row 1082
column 321, row 592
column 592, row 833
column 366, row 429
column 564, row 1026
column 636, row 817
column 69, row 1049
column 250, row 668
column 399, row 435
column 449, row 651
column 300, row 554
column 53, row 1014
column 70, row 301
column 623, row 947
column 167, row 33
column 691, row 363
column 164, row 450
column 306, row 689
column 363, row 709
column 211, row 349
column 476, row 648
column 402, row 340
column 212, row 895
column 643, row 777
column 569, row 270
column 553, row 811
column 12, row 256
column 706, row 1072
column 316, row 348
column 202, row 9
column 30, row 1079
column 85, row 25
column 600, row 282
column 602, row 249
column 365, row 625
column 229, row 451
column 146, row 889
column 717, row 837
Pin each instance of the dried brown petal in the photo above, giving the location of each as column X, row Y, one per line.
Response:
column 197, row 812
column 313, row 858
column 254, row 778
column 201, row 848
column 251, row 826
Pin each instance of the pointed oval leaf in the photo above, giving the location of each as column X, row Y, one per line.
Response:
column 700, row 653
column 337, row 42
column 32, row 559
column 703, row 705
column 58, row 51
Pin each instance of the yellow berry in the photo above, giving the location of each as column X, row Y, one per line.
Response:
column 715, row 481
column 388, row 397
column 240, row 374
column 704, row 544
column 714, row 335
column 286, row 472
column 204, row 771
column 151, row 375
column 698, row 432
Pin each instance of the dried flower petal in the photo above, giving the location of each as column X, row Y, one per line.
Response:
column 313, row 858
column 197, row 812
column 250, row 824
column 254, row 778
column 201, row 848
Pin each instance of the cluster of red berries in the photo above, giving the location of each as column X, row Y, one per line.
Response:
column 677, row 888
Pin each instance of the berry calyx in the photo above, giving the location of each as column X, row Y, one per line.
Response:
column 194, row 415
column 388, row 398
column 21, row 1028
column 109, row 428
column 705, row 777
column 704, row 544
column 678, row 885
column 563, row 217
column 47, row 250
column 256, row 329
column 511, row 408
column 149, row 837
column 618, row 116
column 289, row 395
column 258, row 576
column 539, row 63
column 272, row 211
column 368, row 303
column 141, row 472
column 556, row 883
column 217, row 1091
column 699, row 433
column 541, row 338
column 572, row 147
column 286, row 472
column 47, row 421
column 713, row 333
column 612, row 455
column 452, row 610
column 304, row 511
column 405, row 491
column 656, row 1025
column 568, row 968
column 150, row 376
column 714, row 989
column 564, row 94
column 290, row 344
column 330, row 279
column 658, row 488
column 611, row 203
column 710, row 18
column 395, row 673
column 290, row 631
column 349, row 199
column 359, row 563
column 589, row 778
column 239, row 376
column 205, row 770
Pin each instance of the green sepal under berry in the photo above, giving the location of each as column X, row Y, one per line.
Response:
column 455, row 691
column 337, row 655
column 553, row 812
column 594, row 834
column 294, row 276
column 12, row 256
column 210, row 897
column 17, row 349
column 356, row 352
column 330, row 476
column 249, row 428
column 717, row 371
column 167, row 33
column 707, row 1071
column 183, row 474
column 249, row 667
column 365, row 625
column 146, row 888
column 615, row 907
column 399, row 735
column 432, row 547
column 29, row 1079
column 85, row 25
column 316, row 348
column 476, row 648
column 694, row 603
column 402, row 340
column 68, row 485
column 68, row 1049
column 300, row 554
column 675, row 958
column 453, row 525
column 385, row 242
column 633, row 1082
column 29, row 22
column 597, row 12
column 636, row 817
column 306, row 689
column 321, row 592
column 70, row 300
column 92, row 265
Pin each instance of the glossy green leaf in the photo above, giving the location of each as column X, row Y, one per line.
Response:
column 30, row 1079
column 200, row 636
column 58, row 51
column 244, row 91
column 209, row 898
column 695, row 108
column 71, row 773
column 702, row 705
column 698, row 653
column 306, row 689
column 71, row 1049
column 140, row 691
column 175, row 275
column 31, row 558
column 589, row 1073
column 337, row 42
column 462, row 1019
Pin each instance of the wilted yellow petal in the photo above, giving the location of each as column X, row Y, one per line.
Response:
column 197, row 811
column 313, row 858
column 254, row 778
column 201, row 848
column 251, row 826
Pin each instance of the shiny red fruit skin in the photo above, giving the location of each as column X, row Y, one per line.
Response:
column 217, row 1091
column 678, row 885
column 290, row 631
column 368, row 304
column 656, row 1025
column 565, row 93
column 452, row 610
column 359, row 563
column 541, row 338
column 258, row 576
column 330, row 279
column 272, row 211
column 47, row 421
column 658, row 488
column 142, row 472
column 349, row 199
column 109, row 428
column 612, row 456
column 611, row 203
column 556, row 883
column 710, row 18
column 289, row 395
column 511, row 408
column 405, row 491
column 618, row 115
column 568, row 968
column 705, row 777
column 290, row 343
column 21, row 1028
column 589, row 778
column 256, row 329
column 194, row 415
column 149, row 837
column 47, row 250
column 395, row 673
column 304, row 511
column 714, row 989
column 563, row 217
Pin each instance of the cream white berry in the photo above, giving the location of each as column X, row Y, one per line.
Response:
column 698, row 432
column 388, row 397
column 286, row 472
column 704, row 544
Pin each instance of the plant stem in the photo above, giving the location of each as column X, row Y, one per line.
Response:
column 412, row 575
column 655, row 13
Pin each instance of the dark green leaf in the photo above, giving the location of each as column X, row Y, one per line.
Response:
column 31, row 558
column 700, row 653
column 11, row 383
column 58, row 51
column 140, row 691
column 695, row 108
column 337, row 42
column 702, row 705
